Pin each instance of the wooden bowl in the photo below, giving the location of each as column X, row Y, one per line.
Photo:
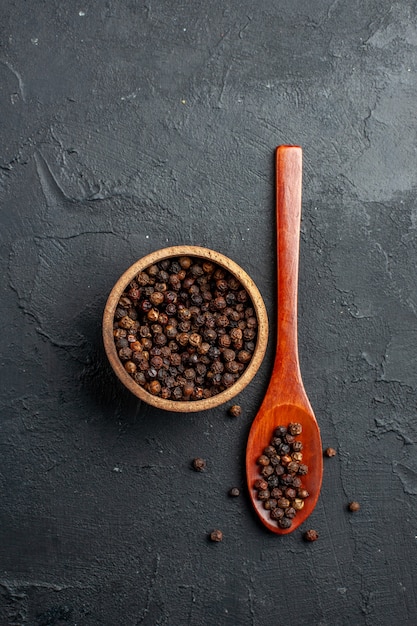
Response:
column 258, row 306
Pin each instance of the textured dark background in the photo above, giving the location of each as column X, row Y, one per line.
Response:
column 129, row 126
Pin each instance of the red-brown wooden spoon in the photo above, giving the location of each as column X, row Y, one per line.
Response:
column 286, row 400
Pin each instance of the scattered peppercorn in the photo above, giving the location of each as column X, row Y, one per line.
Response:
column 235, row 410
column 282, row 492
column 199, row 464
column 234, row 492
column 216, row 536
column 354, row 506
column 330, row 452
column 193, row 310
column 311, row 535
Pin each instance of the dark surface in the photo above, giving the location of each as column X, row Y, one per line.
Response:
column 128, row 126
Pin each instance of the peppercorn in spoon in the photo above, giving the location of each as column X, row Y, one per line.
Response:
column 284, row 464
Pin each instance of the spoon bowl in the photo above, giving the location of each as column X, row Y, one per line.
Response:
column 286, row 400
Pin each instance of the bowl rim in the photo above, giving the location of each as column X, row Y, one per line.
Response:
column 191, row 406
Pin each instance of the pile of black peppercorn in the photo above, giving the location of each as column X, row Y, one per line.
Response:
column 280, row 487
column 185, row 329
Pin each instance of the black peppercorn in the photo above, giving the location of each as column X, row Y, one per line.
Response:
column 125, row 353
column 199, row 464
column 140, row 378
column 235, row 334
column 208, row 267
column 275, row 460
column 156, row 298
column 182, row 339
column 195, row 340
column 130, row 367
column 234, row 492
column 264, row 494
column 222, row 321
column 290, row 493
column 249, row 334
column 184, row 262
column 354, row 506
column 263, row 460
column 298, row 504
column 162, row 287
column 290, row 512
column 280, row 431
column 285, row 523
column 235, row 410
column 196, row 270
column 119, row 313
column 289, row 438
column 160, row 339
column 295, row 428
column 228, row 380
column 311, row 535
column 217, row 367
column 293, row 466
column 242, row 296
column 267, row 471
column 273, row 481
column 142, row 278
column 283, row 503
column 243, row 356
column 225, row 341
column 157, row 362
column 216, row 536
column 229, row 355
column 260, row 484
column 126, row 322
column 154, row 387
column 203, row 350
column 152, row 373
column 277, row 514
column 171, row 309
column 283, row 448
column 296, row 482
column 297, row 446
column 153, row 315
column 187, row 389
column 303, row 469
column 232, row 367
column 214, row 353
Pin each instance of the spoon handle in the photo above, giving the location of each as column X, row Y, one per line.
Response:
column 288, row 217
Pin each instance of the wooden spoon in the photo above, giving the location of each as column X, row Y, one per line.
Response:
column 286, row 399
